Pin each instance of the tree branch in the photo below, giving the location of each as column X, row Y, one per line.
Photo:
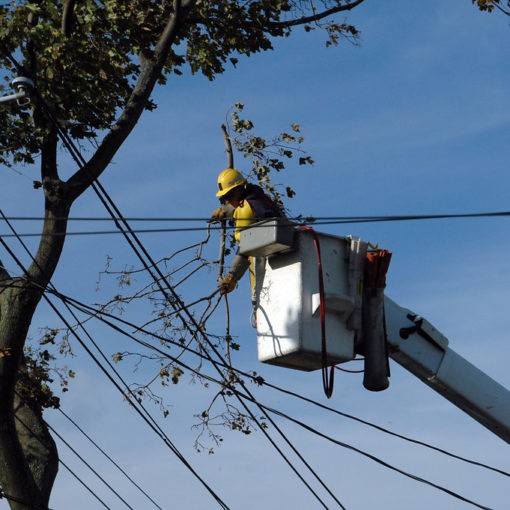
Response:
column 68, row 17
column 316, row 17
column 228, row 147
column 135, row 105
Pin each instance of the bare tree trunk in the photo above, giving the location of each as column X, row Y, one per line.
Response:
column 38, row 447
column 28, row 455
column 23, row 487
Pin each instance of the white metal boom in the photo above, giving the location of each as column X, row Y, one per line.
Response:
column 416, row 345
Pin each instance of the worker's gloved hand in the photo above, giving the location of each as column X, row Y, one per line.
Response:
column 217, row 215
column 227, row 284
column 222, row 213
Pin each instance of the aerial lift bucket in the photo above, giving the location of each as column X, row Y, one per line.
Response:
column 288, row 295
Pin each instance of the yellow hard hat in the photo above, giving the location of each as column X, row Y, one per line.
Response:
column 228, row 180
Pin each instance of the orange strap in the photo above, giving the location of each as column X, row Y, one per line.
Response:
column 376, row 266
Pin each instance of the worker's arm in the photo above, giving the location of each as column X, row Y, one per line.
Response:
column 237, row 269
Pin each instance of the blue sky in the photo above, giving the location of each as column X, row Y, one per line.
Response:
column 413, row 121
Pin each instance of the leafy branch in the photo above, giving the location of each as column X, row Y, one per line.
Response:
column 268, row 155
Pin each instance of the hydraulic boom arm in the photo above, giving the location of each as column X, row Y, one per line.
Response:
column 416, row 345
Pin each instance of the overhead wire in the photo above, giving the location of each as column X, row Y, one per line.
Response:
column 392, row 219
column 71, row 472
column 107, row 456
column 322, row 220
column 338, row 412
column 141, row 252
column 376, row 459
column 480, row 507
column 38, row 438
column 139, row 408
column 306, row 219
column 146, row 254
column 288, row 417
column 87, row 488
column 175, row 300
column 442, row 489
column 91, row 311
column 115, row 213
column 82, row 459
column 153, row 266
column 144, row 257
column 134, row 403
column 364, row 453
column 88, row 437
column 94, row 312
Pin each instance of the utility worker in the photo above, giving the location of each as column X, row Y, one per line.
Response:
column 246, row 203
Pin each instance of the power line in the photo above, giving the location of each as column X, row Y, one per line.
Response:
column 63, row 464
column 277, row 412
column 135, row 404
column 251, row 414
column 325, row 220
column 132, row 232
column 375, row 459
column 108, row 203
column 175, row 300
column 133, row 240
column 71, row 472
column 153, row 425
column 321, row 220
column 102, row 451
column 369, row 455
column 251, row 399
column 148, row 263
column 305, row 219
column 89, row 466
column 96, row 313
